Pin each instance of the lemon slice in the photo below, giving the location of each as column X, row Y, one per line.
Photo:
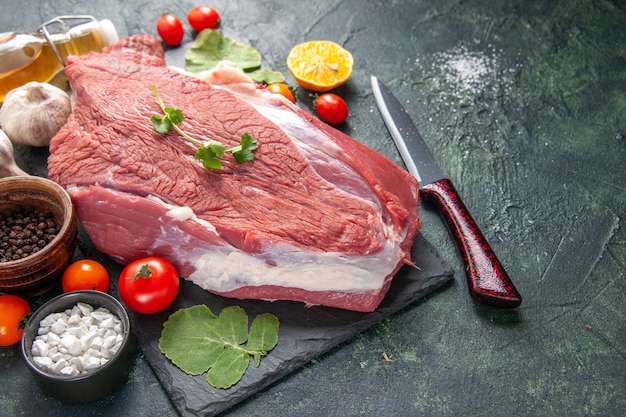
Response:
column 320, row 65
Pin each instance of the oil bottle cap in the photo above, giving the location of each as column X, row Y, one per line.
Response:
column 109, row 33
column 17, row 50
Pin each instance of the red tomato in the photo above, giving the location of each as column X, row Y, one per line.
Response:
column 148, row 285
column 331, row 108
column 170, row 29
column 85, row 275
column 14, row 312
column 203, row 17
column 283, row 90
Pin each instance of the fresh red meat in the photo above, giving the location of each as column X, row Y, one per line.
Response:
column 317, row 217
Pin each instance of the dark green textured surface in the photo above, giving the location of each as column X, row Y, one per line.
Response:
column 524, row 105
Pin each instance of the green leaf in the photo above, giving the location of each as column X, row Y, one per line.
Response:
column 257, row 359
column 263, row 333
column 210, row 155
column 244, row 152
column 229, row 368
column 197, row 341
column 266, row 76
column 233, row 325
column 211, row 47
column 161, row 124
column 189, row 340
column 174, row 115
column 216, row 147
column 263, row 336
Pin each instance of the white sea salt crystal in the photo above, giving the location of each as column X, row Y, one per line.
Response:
column 85, row 309
column 43, row 362
column 76, row 348
column 109, row 333
column 40, row 348
column 91, row 363
column 93, row 353
column 67, row 340
column 74, row 318
column 79, row 330
column 96, row 342
column 78, row 363
column 98, row 319
column 87, row 338
column 67, row 371
column 53, row 339
column 118, row 344
column 465, row 72
column 54, row 354
column 58, row 326
column 78, row 340
column 109, row 341
column 107, row 323
column 57, row 367
column 49, row 320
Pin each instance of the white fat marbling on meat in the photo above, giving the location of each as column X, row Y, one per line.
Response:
column 182, row 213
column 217, row 271
column 225, row 269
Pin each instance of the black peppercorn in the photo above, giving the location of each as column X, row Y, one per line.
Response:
column 24, row 231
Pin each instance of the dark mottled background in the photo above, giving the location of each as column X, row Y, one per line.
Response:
column 523, row 103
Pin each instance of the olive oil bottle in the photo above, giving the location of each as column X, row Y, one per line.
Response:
column 41, row 56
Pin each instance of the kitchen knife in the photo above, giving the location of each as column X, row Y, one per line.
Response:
column 487, row 279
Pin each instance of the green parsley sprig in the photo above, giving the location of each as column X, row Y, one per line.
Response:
column 209, row 152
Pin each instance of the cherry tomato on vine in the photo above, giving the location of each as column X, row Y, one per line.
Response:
column 148, row 285
column 282, row 89
column 203, row 17
column 14, row 312
column 170, row 29
column 85, row 274
column 331, row 108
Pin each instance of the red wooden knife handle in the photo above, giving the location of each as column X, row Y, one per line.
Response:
column 488, row 281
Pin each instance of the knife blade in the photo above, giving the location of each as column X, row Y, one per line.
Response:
column 488, row 281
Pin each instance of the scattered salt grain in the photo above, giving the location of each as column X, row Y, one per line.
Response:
column 77, row 341
column 462, row 73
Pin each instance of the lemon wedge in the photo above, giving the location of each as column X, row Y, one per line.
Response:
column 320, row 65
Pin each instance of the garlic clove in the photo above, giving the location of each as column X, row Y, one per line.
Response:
column 8, row 167
column 35, row 94
column 34, row 112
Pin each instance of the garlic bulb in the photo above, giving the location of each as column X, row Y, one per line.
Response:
column 33, row 113
column 8, row 167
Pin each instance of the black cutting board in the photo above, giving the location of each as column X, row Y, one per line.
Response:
column 304, row 334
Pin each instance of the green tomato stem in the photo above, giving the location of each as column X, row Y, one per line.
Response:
column 144, row 272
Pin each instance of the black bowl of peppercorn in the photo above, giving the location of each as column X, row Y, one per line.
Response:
column 37, row 234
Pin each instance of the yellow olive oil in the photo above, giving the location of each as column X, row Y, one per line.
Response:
column 41, row 56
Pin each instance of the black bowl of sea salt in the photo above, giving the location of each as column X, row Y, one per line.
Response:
column 79, row 346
